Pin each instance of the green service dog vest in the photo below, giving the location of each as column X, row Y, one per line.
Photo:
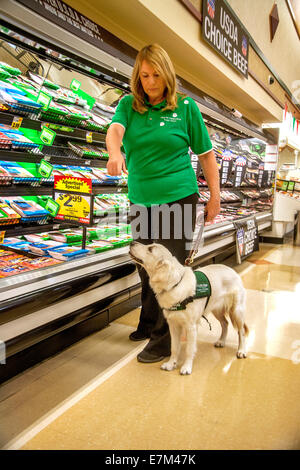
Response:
column 203, row 289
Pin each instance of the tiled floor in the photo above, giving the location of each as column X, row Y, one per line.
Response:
column 95, row 395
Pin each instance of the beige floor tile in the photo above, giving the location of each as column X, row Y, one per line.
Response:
column 225, row 404
column 272, row 319
column 31, row 395
column 270, row 277
column 288, row 255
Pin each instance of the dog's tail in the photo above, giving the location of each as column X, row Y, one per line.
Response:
column 237, row 320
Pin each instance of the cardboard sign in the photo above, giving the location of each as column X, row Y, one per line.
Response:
column 75, row 199
column 74, row 207
column 70, row 183
column 247, row 238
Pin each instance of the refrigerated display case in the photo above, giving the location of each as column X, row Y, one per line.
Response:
column 46, row 306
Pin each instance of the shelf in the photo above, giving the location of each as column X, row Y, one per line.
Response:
column 35, row 124
column 25, row 190
column 220, row 235
column 13, row 156
column 43, row 190
column 23, row 230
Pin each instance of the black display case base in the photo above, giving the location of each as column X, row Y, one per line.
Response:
column 47, row 348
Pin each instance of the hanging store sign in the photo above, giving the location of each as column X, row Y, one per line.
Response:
column 247, row 238
column 223, row 31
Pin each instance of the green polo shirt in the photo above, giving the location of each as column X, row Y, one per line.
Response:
column 157, row 146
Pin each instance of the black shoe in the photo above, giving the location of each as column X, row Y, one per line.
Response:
column 138, row 336
column 145, row 356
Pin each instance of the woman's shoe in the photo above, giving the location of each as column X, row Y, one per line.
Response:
column 138, row 336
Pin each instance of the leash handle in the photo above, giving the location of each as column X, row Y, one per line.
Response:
column 194, row 250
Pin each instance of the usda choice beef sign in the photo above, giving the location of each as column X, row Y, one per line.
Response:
column 247, row 238
column 222, row 30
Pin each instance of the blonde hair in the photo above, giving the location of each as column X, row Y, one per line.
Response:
column 156, row 56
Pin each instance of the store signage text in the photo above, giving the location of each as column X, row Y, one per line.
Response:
column 247, row 238
column 221, row 29
column 71, row 20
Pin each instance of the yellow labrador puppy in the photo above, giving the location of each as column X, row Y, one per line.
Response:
column 175, row 287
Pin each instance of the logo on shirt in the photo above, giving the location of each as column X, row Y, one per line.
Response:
column 173, row 118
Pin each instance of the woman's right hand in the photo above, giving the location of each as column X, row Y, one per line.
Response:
column 116, row 165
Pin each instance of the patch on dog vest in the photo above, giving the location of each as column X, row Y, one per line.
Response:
column 203, row 289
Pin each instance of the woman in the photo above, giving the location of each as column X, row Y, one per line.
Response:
column 157, row 126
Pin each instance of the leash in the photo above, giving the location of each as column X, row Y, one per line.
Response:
column 207, row 321
column 194, row 250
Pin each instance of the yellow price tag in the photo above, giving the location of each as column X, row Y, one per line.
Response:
column 2, row 236
column 16, row 123
column 89, row 137
column 73, row 207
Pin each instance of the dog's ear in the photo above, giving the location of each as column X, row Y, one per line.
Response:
column 161, row 270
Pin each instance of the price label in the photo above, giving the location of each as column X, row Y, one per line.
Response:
column 47, row 135
column 16, row 122
column 77, row 207
column 89, row 137
column 44, row 99
column 2, row 236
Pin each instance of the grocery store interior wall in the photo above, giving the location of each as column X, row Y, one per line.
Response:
column 287, row 155
column 284, row 50
column 139, row 22
column 280, row 53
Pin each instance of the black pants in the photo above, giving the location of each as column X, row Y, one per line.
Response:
column 176, row 239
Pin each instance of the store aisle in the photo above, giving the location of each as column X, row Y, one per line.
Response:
column 225, row 404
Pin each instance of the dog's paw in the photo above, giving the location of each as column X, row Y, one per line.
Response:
column 219, row 344
column 186, row 370
column 169, row 365
column 241, row 355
